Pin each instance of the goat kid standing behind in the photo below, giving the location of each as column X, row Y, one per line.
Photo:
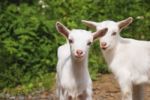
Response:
column 128, row 59
column 73, row 79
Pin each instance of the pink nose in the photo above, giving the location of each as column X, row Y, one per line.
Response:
column 103, row 44
column 79, row 52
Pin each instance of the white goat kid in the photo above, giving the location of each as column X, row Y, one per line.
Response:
column 128, row 59
column 73, row 79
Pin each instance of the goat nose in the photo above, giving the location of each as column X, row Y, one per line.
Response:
column 103, row 44
column 79, row 52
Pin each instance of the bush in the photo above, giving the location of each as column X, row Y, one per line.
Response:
column 28, row 46
column 29, row 40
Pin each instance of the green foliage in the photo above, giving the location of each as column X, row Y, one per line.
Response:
column 29, row 41
column 26, row 38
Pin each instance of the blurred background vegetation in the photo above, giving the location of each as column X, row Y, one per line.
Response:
column 29, row 40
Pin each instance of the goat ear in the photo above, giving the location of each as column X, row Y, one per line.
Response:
column 99, row 33
column 90, row 24
column 62, row 29
column 124, row 23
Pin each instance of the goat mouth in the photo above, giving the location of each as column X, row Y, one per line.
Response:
column 104, row 48
column 79, row 56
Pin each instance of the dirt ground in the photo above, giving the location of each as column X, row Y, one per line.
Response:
column 106, row 88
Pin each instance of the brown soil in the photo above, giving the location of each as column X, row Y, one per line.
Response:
column 107, row 88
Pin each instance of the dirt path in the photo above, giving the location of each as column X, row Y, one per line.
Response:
column 106, row 88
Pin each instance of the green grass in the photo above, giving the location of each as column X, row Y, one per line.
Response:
column 44, row 82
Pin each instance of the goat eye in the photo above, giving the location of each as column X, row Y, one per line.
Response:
column 89, row 43
column 70, row 41
column 114, row 33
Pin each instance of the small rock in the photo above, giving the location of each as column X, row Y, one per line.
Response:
column 29, row 97
column 7, row 95
column 12, row 98
column 21, row 97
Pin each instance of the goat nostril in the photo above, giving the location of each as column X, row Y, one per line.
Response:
column 103, row 44
column 79, row 52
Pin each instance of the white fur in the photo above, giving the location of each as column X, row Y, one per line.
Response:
column 73, row 77
column 128, row 59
